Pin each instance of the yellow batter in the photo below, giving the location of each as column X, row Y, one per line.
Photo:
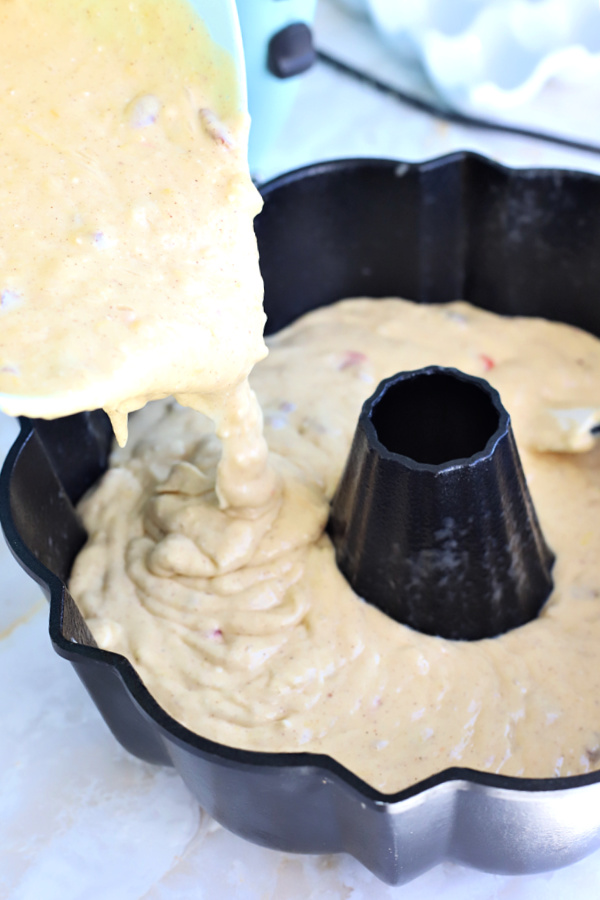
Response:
column 244, row 630
column 128, row 261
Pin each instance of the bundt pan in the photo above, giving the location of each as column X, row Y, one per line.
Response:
column 515, row 242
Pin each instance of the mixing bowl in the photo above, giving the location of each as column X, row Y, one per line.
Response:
column 458, row 227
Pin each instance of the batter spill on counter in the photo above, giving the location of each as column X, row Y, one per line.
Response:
column 130, row 273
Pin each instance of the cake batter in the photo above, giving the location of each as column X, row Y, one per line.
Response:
column 244, row 630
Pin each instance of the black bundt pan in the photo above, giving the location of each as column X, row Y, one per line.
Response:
column 521, row 242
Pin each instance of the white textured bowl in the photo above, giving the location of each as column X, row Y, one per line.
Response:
column 491, row 54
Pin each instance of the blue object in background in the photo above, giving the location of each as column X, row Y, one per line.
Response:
column 220, row 17
column 278, row 47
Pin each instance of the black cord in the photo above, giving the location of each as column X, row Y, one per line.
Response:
column 448, row 115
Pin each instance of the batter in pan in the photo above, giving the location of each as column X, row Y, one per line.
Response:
column 245, row 631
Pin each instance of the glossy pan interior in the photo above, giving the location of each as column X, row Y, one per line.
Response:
column 458, row 227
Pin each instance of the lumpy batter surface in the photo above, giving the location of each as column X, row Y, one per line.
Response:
column 240, row 624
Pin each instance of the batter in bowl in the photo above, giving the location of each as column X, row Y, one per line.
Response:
column 129, row 267
column 244, row 630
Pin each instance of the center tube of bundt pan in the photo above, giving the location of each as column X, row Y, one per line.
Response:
column 432, row 520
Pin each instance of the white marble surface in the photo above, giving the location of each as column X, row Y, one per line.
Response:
column 82, row 820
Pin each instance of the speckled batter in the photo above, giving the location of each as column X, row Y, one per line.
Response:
column 243, row 629
column 128, row 262
column 130, row 221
